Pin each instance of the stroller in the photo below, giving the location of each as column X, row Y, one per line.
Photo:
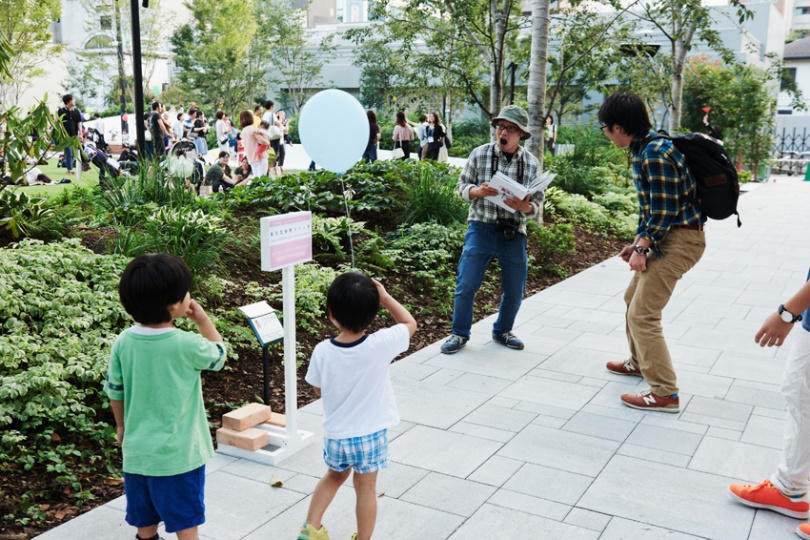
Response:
column 128, row 160
column 98, row 140
column 106, row 165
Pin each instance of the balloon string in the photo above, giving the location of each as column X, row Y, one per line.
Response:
column 346, row 196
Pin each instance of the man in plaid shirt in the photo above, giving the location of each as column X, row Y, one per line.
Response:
column 669, row 241
column 493, row 231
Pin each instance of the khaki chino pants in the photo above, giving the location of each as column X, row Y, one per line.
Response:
column 647, row 295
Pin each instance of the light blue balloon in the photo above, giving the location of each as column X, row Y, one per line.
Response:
column 334, row 130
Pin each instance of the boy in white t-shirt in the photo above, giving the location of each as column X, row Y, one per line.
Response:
column 350, row 373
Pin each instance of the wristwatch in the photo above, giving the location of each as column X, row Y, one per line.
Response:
column 641, row 250
column 787, row 316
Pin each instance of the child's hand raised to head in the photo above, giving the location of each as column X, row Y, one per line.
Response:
column 196, row 313
column 380, row 289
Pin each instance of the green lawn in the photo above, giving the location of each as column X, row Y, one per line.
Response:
column 89, row 178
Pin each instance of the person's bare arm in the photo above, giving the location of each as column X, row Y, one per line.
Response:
column 198, row 316
column 117, row 407
column 774, row 330
column 397, row 310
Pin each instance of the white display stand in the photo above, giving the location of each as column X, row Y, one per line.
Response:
column 286, row 241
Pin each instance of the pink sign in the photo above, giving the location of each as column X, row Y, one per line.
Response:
column 286, row 240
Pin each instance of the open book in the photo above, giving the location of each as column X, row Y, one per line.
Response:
column 508, row 188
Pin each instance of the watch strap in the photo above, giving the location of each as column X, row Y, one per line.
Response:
column 796, row 318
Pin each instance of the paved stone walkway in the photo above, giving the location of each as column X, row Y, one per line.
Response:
column 499, row 444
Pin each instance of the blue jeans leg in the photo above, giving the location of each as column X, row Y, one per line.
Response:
column 514, row 267
column 479, row 248
column 69, row 161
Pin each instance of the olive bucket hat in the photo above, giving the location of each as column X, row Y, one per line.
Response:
column 516, row 115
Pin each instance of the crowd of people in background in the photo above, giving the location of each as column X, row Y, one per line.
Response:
column 430, row 132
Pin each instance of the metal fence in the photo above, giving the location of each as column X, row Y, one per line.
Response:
column 792, row 151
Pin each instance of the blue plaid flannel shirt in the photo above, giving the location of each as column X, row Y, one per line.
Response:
column 665, row 187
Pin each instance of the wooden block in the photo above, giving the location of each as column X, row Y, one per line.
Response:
column 277, row 420
column 250, row 439
column 246, row 417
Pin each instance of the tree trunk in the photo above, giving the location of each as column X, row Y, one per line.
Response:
column 536, row 90
column 678, row 59
column 496, row 62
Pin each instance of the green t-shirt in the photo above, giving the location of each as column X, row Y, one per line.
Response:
column 157, row 375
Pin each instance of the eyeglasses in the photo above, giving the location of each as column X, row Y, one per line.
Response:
column 510, row 129
column 602, row 127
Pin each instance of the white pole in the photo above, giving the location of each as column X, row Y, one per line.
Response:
column 290, row 361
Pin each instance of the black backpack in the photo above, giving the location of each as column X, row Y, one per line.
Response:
column 718, row 187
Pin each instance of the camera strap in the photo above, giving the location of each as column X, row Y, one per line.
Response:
column 494, row 169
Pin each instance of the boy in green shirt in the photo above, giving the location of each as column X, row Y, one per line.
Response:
column 154, row 387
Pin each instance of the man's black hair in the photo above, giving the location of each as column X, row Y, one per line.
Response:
column 268, row 104
column 151, row 283
column 626, row 110
column 180, row 116
column 353, row 301
column 155, row 105
column 67, row 98
column 223, row 154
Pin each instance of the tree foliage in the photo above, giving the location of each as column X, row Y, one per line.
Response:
column 296, row 65
column 682, row 23
column 218, row 57
column 743, row 105
column 451, row 43
column 26, row 25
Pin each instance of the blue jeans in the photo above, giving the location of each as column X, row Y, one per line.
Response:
column 370, row 155
column 69, row 161
column 481, row 244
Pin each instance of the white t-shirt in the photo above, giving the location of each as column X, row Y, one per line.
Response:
column 355, row 386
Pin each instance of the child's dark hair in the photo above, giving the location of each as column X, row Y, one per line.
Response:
column 626, row 110
column 151, row 283
column 353, row 301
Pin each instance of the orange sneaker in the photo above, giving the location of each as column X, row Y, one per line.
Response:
column 647, row 401
column 766, row 496
column 803, row 531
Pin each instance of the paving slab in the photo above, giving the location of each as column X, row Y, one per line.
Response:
column 535, row 444
column 497, row 522
column 669, row 497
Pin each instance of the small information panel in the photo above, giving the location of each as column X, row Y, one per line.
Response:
column 286, row 240
column 264, row 323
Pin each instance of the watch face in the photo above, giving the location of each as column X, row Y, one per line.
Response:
column 786, row 316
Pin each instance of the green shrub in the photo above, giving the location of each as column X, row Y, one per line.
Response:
column 21, row 214
column 577, row 210
column 428, row 252
column 312, row 282
column 553, row 242
column 197, row 238
column 431, row 196
column 744, row 176
column 60, row 313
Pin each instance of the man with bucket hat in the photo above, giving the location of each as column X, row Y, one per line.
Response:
column 493, row 231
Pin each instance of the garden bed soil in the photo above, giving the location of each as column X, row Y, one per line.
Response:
column 242, row 381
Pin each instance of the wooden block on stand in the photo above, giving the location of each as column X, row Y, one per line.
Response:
column 246, row 417
column 250, row 439
column 277, row 419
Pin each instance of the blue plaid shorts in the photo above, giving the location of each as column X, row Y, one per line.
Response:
column 364, row 454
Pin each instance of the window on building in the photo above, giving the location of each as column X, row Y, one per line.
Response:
column 803, row 11
column 788, row 78
column 105, row 22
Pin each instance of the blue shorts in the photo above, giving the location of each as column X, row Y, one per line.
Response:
column 175, row 500
column 364, row 454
